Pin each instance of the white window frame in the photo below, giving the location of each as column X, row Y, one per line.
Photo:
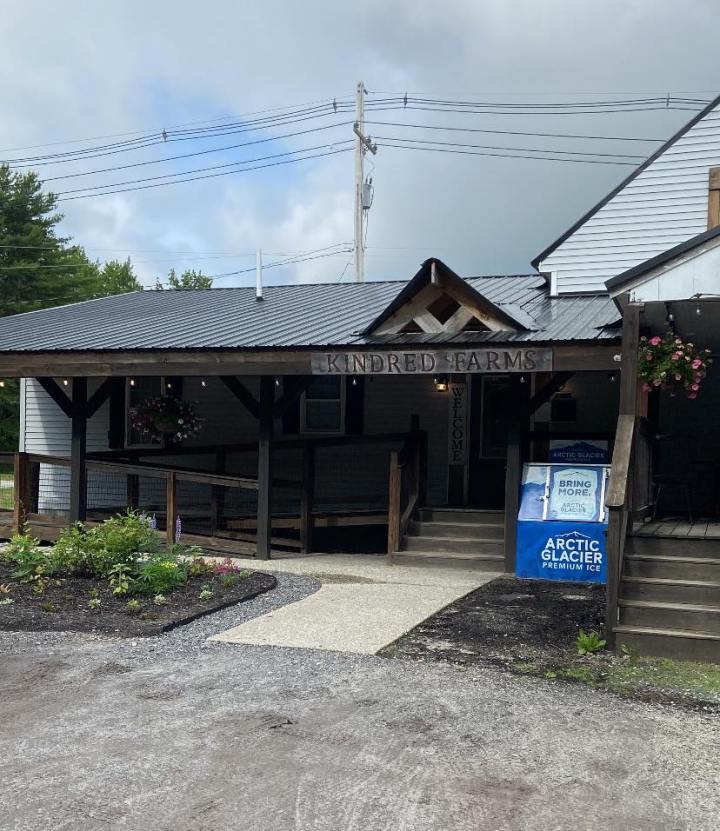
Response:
column 144, row 445
column 303, row 410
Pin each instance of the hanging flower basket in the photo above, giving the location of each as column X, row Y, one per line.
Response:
column 165, row 417
column 670, row 363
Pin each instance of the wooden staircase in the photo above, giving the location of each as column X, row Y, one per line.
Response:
column 669, row 598
column 465, row 537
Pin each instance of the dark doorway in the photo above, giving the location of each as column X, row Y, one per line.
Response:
column 494, row 402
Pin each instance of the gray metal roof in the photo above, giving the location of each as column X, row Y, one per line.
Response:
column 299, row 315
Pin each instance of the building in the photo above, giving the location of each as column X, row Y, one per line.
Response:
column 409, row 408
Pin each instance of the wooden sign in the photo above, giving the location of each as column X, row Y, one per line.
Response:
column 457, row 443
column 432, row 361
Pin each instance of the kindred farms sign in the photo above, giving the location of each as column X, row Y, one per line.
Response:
column 427, row 362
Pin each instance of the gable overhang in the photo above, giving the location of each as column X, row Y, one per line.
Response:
column 690, row 270
column 585, row 217
column 434, row 273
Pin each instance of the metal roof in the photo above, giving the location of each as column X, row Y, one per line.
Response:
column 301, row 315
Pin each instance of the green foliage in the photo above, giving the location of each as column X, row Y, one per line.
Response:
column 78, row 551
column 94, row 603
column 31, row 563
column 133, row 606
column 158, row 574
column 120, row 577
column 589, row 642
column 206, row 593
column 47, row 606
column 123, row 539
column 189, row 279
column 159, row 600
column 227, row 581
column 197, row 567
column 6, row 601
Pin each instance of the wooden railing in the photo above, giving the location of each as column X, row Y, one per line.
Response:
column 619, row 503
column 406, row 490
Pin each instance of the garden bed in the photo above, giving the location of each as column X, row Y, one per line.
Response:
column 530, row 627
column 63, row 604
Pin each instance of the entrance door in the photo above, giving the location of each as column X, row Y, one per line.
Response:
column 493, row 404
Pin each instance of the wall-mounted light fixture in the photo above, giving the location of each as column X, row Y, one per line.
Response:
column 441, row 383
column 132, row 382
column 65, row 382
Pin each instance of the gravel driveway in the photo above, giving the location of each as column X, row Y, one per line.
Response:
column 173, row 734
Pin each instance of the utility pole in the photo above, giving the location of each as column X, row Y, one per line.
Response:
column 362, row 145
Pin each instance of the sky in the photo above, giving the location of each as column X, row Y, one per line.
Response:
column 76, row 72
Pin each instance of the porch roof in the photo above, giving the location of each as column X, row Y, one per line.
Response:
column 291, row 316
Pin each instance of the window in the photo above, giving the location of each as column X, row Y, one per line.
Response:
column 137, row 391
column 323, row 406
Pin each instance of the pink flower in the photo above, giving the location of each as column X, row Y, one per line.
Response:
column 676, row 356
column 695, row 387
column 655, row 341
column 697, row 363
column 657, row 382
column 648, row 356
column 692, row 395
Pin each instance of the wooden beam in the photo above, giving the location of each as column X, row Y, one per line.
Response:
column 629, row 359
column 171, row 514
column 58, row 396
column 293, row 388
column 78, row 448
column 265, row 438
column 100, row 396
column 713, row 198
column 241, row 392
column 543, row 395
column 21, row 481
column 306, row 500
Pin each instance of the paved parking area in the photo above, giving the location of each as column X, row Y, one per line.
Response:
column 362, row 605
column 107, row 734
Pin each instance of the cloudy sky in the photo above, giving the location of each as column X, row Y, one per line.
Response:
column 87, row 71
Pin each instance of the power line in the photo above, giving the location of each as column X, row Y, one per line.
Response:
column 511, row 132
column 206, row 176
column 507, row 155
column 519, row 149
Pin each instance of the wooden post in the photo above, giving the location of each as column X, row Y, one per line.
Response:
column 395, row 485
column 21, row 483
column 217, row 494
column 172, row 508
column 133, row 491
column 629, row 360
column 306, row 499
column 78, row 442
column 265, row 438
column 513, row 474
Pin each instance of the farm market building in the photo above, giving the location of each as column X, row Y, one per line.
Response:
column 400, row 414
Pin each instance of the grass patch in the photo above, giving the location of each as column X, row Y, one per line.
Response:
column 683, row 676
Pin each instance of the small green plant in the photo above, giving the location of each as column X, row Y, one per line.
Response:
column 94, row 592
column 206, row 593
column 197, row 567
column 119, row 578
column 631, row 653
column 40, row 583
column 159, row 574
column 159, row 600
column 47, row 606
column 30, row 562
column 133, row 606
column 227, row 581
column 94, row 603
column 6, row 601
column 587, row 643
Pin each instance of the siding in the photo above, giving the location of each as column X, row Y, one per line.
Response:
column 661, row 207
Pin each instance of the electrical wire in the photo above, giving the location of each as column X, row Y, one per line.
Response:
column 508, row 155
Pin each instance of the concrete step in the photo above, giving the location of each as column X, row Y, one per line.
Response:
column 672, row 568
column 464, row 530
column 474, row 516
column 697, row 592
column 680, row 644
column 658, row 615
column 676, row 547
column 458, row 546
column 480, row 562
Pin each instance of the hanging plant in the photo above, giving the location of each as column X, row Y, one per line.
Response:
column 670, row 363
column 165, row 417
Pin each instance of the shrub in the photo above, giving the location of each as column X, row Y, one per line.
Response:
column 589, row 642
column 123, row 539
column 206, row 593
column 30, row 561
column 119, row 578
column 78, row 551
column 158, row 574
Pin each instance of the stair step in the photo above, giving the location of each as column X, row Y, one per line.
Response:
column 675, row 547
column 476, row 516
column 479, row 562
column 465, row 530
column 680, row 644
column 659, row 615
column 670, row 567
column 670, row 591
column 454, row 545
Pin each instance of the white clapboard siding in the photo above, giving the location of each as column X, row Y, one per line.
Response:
column 664, row 205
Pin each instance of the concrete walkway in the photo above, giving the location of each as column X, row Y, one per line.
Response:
column 362, row 605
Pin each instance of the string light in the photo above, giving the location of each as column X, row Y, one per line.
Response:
column 2, row 383
column 132, row 382
column 65, row 382
column 441, row 383
column 203, row 382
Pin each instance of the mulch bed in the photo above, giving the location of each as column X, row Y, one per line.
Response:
column 63, row 606
column 530, row 627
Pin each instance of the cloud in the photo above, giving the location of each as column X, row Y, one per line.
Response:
column 81, row 69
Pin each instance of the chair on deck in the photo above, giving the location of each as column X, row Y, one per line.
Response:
column 676, row 455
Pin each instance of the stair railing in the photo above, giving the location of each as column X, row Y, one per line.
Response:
column 618, row 501
column 406, row 491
